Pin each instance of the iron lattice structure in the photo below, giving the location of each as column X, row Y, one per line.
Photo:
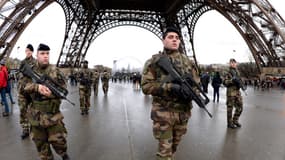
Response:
column 260, row 25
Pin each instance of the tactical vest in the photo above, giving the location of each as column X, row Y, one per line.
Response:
column 43, row 103
column 85, row 77
column 181, row 62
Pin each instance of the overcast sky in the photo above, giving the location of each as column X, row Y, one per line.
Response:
column 216, row 40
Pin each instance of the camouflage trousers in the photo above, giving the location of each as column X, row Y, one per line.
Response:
column 95, row 88
column 105, row 87
column 234, row 102
column 54, row 136
column 168, row 129
column 84, row 95
column 23, row 106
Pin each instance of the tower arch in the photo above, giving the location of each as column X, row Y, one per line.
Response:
column 260, row 25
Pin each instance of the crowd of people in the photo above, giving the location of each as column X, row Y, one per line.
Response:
column 132, row 77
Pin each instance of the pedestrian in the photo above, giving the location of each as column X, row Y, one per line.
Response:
column 72, row 78
column 85, row 80
column 8, row 88
column 170, row 113
column 3, row 86
column 24, row 99
column 216, row 84
column 44, row 113
column 205, row 80
column 234, row 99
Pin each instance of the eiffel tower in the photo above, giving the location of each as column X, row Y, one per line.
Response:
column 259, row 24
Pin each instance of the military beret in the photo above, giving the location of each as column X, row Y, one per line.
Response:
column 43, row 47
column 30, row 47
column 233, row 60
column 171, row 29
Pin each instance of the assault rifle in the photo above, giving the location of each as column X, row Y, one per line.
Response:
column 239, row 82
column 54, row 87
column 173, row 75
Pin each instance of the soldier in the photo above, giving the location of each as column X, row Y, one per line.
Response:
column 85, row 80
column 96, row 82
column 234, row 98
column 47, row 127
column 24, row 99
column 105, row 81
column 170, row 113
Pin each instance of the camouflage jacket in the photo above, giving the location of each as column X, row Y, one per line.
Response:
column 96, row 77
column 85, row 77
column 21, row 82
column 232, row 89
column 153, row 80
column 105, row 77
column 44, row 111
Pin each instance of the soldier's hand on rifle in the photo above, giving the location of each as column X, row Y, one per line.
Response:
column 180, row 91
column 188, row 77
column 236, row 81
column 44, row 90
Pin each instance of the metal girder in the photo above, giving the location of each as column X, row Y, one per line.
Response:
column 187, row 18
column 104, row 20
column 256, row 20
column 2, row 3
column 17, row 17
column 79, row 30
column 113, row 18
column 262, row 28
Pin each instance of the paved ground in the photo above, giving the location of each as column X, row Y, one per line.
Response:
column 119, row 128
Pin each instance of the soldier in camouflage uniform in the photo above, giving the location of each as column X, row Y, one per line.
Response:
column 85, row 80
column 105, row 81
column 47, row 127
column 170, row 114
column 96, row 81
column 24, row 99
column 234, row 98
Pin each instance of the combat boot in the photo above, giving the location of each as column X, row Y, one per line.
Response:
column 237, row 124
column 86, row 111
column 65, row 157
column 232, row 126
column 25, row 134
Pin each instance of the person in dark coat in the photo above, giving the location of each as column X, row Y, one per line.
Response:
column 205, row 79
column 216, row 84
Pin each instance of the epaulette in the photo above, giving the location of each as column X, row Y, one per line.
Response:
column 156, row 57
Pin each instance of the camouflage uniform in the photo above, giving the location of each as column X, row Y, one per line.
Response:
column 85, row 80
column 169, row 114
column 23, row 99
column 96, row 82
column 234, row 98
column 105, row 81
column 47, row 127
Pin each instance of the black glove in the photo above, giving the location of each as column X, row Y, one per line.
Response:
column 175, row 89
column 181, row 91
column 236, row 82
